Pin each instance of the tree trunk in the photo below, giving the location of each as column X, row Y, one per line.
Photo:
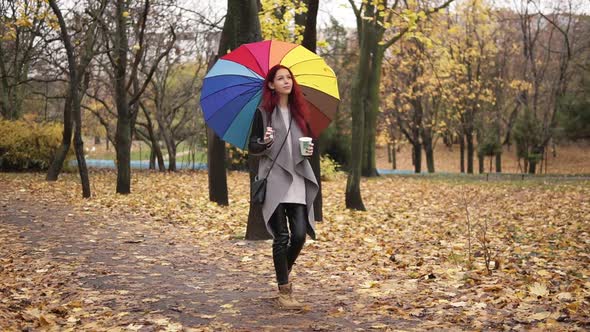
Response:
column 170, row 144
column 537, row 151
column 216, row 169
column 481, row 162
column 60, row 155
column 417, row 151
column 429, row 152
column 152, row 159
column 75, row 80
column 462, row 152
column 315, row 165
column 123, row 147
column 79, row 148
column 370, row 158
column 156, row 152
column 470, row 151
column 172, row 158
column 159, row 156
column 532, row 167
column 359, row 106
column 393, row 156
column 309, row 20
column 241, row 26
column 123, row 132
column 389, row 158
column 499, row 162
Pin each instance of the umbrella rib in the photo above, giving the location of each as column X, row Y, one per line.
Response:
column 248, row 68
column 236, row 96
column 319, row 109
column 318, row 75
column 250, row 78
column 254, row 96
column 253, row 84
column 255, row 59
column 306, row 60
column 319, row 91
column 322, row 113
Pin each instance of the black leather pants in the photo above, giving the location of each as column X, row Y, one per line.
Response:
column 286, row 247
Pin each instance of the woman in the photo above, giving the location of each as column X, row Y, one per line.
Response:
column 291, row 188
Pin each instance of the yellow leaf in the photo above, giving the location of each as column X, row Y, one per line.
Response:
column 539, row 315
column 538, row 289
column 565, row 296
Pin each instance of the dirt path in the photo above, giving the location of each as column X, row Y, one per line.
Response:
column 64, row 269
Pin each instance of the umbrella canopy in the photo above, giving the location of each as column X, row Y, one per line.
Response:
column 232, row 89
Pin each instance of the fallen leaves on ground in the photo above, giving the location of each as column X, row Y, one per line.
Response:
column 410, row 258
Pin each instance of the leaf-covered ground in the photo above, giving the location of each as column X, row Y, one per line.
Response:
column 165, row 258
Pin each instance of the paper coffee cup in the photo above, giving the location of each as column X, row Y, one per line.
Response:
column 304, row 143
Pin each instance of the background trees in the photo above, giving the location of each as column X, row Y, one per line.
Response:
column 374, row 18
column 22, row 22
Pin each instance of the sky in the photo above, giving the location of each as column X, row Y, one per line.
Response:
column 342, row 11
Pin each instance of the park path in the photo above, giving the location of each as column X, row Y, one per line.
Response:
column 67, row 269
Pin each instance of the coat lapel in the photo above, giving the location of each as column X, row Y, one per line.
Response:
column 296, row 164
column 279, row 124
column 295, row 134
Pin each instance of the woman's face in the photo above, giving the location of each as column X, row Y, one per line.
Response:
column 282, row 83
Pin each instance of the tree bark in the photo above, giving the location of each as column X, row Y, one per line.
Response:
column 470, row 151
column 241, row 26
column 60, row 155
column 417, row 151
column 370, row 160
column 481, row 163
column 123, row 132
column 76, row 72
column 499, row 162
column 172, row 159
column 309, row 20
column 359, row 96
column 217, row 173
column 428, row 150
column 79, row 148
column 156, row 151
column 462, row 152
column 393, row 156
column 152, row 164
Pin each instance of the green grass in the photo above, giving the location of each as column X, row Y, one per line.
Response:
column 144, row 153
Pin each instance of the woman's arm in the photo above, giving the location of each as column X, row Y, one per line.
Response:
column 256, row 145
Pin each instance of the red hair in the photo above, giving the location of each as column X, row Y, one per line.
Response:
column 297, row 102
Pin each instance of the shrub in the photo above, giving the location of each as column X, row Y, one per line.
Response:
column 329, row 168
column 237, row 160
column 27, row 145
column 574, row 118
column 528, row 134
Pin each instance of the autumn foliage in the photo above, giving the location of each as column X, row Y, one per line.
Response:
column 28, row 145
column 415, row 260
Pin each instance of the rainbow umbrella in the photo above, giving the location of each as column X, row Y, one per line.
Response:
column 232, row 89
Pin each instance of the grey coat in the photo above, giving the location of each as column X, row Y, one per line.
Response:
column 280, row 177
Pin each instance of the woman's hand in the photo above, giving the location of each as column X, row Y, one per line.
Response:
column 310, row 149
column 268, row 135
